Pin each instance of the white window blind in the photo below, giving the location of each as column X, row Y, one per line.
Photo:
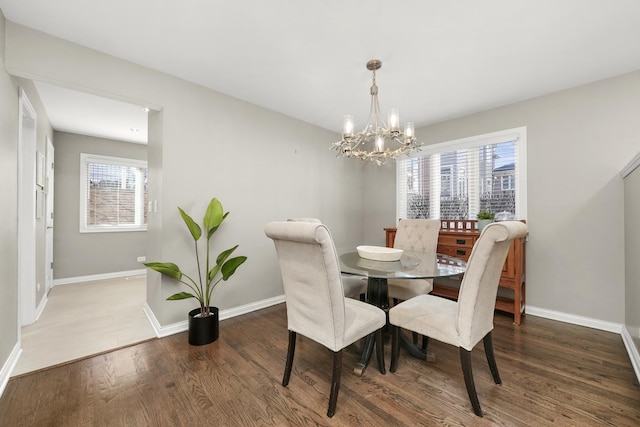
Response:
column 457, row 179
column 113, row 194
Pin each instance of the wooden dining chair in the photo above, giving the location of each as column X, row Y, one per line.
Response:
column 465, row 322
column 354, row 286
column 316, row 305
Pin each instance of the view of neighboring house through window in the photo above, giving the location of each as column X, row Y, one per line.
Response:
column 457, row 179
column 113, row 194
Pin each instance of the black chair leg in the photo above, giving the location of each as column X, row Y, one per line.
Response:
column 425, row 343
column 415, row 338
column 488, row 350
column 335, row 382
column 395, row 347
column 380, row 351
column 290, row 352
column 467, row 372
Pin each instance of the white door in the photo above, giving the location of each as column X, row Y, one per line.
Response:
column 48, row 235
column 27, row 211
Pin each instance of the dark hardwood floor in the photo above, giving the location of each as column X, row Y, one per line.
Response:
column 553, row 374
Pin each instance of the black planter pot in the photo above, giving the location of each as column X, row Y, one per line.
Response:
column 203, row 330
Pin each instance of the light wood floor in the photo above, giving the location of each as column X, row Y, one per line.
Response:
column 553, row 374
column 83, row 319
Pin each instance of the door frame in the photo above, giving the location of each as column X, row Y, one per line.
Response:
column 27, row 149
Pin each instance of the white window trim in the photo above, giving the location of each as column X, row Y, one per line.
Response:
column 516, row 134
column 119, row 161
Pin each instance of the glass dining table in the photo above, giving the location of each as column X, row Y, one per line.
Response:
column 411, row 265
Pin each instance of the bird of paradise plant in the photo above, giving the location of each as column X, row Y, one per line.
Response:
column 207, row 280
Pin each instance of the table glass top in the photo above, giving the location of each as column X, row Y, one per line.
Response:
column 412, row 265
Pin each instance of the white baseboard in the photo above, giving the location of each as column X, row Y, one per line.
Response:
column 632, row 350
column 93, row 277
column 174, row 328
column 602, row 325
column 8, row 367
column 40, row 309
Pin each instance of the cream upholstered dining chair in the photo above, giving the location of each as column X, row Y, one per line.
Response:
column 417, row 235
column 354, row 286
column 465, row 322
column 316, row 305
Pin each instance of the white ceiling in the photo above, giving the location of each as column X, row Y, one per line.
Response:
column 307, row 58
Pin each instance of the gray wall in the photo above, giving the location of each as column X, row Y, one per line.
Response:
column 83, row 254
column 9, row 211
column 262, row 165
column 632, row 254
column 578, row 142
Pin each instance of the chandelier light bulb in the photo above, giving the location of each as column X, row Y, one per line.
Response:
column 394, row 120
column 348, row 126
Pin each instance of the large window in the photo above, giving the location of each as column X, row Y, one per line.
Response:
column 113, row 194
column 457, row 179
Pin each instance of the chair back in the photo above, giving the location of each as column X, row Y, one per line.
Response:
column 479, row 287
column 311, row 278
column 305, row 219
column 417, row 234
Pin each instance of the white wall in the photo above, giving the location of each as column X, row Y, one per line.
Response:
column 9, row 211
column 262, row 165
column 578, row 141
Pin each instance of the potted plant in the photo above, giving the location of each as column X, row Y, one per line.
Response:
column 484, row 218
column 203, row 321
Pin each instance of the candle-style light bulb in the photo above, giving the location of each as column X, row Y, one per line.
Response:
column 409, row 131
column 348, row 126
column 379, row 143
column 394, row 120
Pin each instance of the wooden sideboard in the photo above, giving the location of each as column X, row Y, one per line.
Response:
column 457, row 239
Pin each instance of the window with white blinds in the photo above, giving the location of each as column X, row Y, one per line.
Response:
column 113, row 194
column 457, row 179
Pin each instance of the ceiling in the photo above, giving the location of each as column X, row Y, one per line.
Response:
column 307, row 59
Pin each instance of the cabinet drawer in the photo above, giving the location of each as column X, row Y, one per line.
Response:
column 458, row 252
column 457, row 241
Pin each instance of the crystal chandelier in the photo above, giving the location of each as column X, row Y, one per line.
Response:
column 377, row 142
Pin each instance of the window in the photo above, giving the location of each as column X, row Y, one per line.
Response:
column 457, row 179
column 113, row 194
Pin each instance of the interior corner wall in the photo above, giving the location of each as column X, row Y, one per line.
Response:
column 578, row 140
column 9, row 211
column 86, row 254
column 262, row 165
column 632, row 255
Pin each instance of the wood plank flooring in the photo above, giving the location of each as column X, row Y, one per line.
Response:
column 83, row 319
column 553, row 374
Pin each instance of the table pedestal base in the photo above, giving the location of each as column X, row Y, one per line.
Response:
column 377, row 294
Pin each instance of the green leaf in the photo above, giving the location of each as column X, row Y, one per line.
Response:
column 213, row 230
column 224, row 255
column 214, row 216
column 181, row 295
column 212, row 273
column 230, row 266
column 166, row 268
column 194, row 228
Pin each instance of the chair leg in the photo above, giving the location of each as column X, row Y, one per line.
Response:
column 289, row 363
column 380, row 351
column 488, row 350
column 467, row 372
column 335, row 382
column 395, row 347
column 415, row 338
column 425, row 343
